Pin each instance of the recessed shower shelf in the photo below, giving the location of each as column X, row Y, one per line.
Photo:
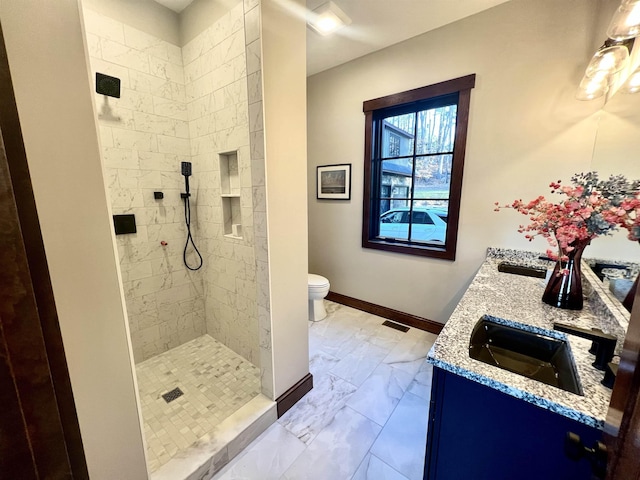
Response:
column 230, row 195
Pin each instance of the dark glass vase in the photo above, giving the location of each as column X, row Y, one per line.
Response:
column 628, row 300
column 564, row 289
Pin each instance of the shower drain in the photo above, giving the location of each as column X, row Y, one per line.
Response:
column 172, row 395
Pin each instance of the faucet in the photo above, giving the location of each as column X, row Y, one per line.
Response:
column 603, row 344
column 598, row 267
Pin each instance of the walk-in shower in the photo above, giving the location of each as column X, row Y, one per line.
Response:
column 192, row 310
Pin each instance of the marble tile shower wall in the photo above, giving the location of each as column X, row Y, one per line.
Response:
column 216, row 89
column 144, row 140
column 179, row 105
column 256, row 143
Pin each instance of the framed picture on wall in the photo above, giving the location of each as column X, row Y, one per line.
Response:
column 334, row 182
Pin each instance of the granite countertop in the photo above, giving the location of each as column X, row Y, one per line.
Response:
column 515, row 299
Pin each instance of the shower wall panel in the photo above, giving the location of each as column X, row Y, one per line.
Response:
column 217, row 102
column 256, row 142
column 144, row 137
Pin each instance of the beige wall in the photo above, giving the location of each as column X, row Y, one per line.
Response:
column 525, row 130
column 146, row 15
column 54, row 103
column 200, row 15
column 283, row 70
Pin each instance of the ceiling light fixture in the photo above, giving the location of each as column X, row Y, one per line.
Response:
column 327, row 18
column 632, row 85
column 593, row 87
column 609, row 67
column 625, row 23
column 609, row 59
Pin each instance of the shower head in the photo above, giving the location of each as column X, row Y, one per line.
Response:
column 186, row 169
column 107, row 85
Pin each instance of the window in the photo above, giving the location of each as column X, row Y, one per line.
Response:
column 414, row 157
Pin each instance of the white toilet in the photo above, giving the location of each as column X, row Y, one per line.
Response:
column 318, row 289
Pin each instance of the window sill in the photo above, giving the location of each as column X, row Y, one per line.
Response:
column 418, row 249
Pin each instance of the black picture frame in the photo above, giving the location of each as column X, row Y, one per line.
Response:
column 333, row 182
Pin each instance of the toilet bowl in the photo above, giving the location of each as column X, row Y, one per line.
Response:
column 318, row 289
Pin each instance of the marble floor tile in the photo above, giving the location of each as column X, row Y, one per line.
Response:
column 410, row 353
column 372, row 468
column 421, row 384
column 360, row 363
column 384, row 336
column 334, row 432
column 402, row 442
column 318, row 407
column 321, row 362
column 332, row 307
column 380, row 393
column 338, row 450
column 267, row 458
column 341, row 332
column 338, row 342
column 315, row 342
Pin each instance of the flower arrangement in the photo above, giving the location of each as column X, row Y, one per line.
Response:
column 590, row 208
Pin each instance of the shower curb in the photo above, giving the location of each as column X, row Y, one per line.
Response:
column 206, row 457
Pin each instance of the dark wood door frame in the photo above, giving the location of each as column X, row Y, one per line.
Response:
column 40, row 413
column 622, row 429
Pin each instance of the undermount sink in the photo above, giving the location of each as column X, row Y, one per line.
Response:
column 536, row 272
column 545, row 359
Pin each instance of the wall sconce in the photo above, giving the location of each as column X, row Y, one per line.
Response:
column 327, row 18
column 625, row 23
column 632, row 84
column 593, row 87
column 613, row 56
column 610, row 59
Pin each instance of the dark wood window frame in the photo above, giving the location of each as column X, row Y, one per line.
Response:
column 462, row 87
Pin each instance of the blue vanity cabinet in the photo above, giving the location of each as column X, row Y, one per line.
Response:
column 478, row 433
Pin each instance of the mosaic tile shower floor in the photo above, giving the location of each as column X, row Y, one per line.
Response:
column 215, row 381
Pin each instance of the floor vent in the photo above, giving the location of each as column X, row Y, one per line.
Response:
column 172, row 395
column 395, row 326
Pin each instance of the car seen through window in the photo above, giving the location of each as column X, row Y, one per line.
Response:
column 427, row 225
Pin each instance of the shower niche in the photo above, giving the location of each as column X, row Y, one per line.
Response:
column 230, row 193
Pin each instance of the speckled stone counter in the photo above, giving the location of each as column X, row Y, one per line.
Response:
column 516, row 300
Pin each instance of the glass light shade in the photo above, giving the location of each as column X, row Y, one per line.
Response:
column 632, row 85
column 593, row 87
column 609, row 60
column 625, row 23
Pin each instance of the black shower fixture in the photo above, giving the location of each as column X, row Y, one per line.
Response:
column 185, row 170
column 106, row 85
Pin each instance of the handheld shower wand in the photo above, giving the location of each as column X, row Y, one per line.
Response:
column 186, row 171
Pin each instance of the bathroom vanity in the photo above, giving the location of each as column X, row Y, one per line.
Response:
column 488, row 422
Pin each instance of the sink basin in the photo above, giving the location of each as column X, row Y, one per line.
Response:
column 536, row 272
column 545, row 359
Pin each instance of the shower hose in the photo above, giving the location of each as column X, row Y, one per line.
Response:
column 187, row 219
